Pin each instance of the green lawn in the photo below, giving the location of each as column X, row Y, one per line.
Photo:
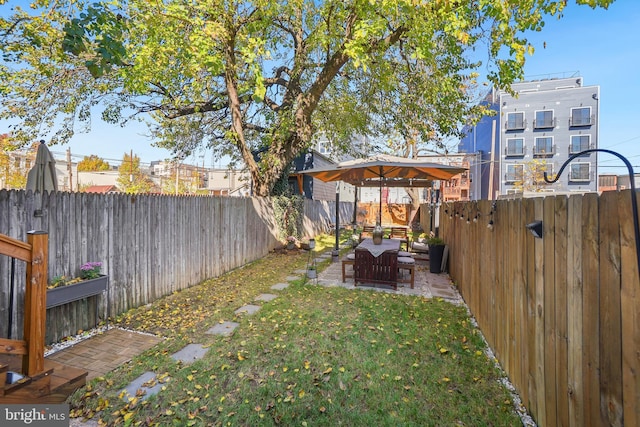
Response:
column 313, row 356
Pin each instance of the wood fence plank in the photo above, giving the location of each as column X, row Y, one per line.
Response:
column 591, row 309
column 540, row 310
column 528, row 344
column 550, row 417
column 560, row 278
column 574, row 311
column 610, row 319
column 520, row 303
column 630, row 298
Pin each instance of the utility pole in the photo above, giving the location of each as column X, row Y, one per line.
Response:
column 131, row 167
column 69, row 169
column 177, row 174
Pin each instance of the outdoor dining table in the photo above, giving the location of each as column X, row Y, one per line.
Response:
column 377, row 263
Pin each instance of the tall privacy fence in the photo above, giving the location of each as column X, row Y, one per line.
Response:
column 561, row 312
column 150, row 246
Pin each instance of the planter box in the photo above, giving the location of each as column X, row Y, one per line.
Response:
column 86, row 288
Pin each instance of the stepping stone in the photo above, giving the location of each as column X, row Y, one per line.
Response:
column 224, row 329
column 280, row 286
column 292, row 278
column 300, row 271
column 190, row 353
column 266, row 297
column 146, row 383
column 248, row 309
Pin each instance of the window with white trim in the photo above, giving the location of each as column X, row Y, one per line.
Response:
column 515, row 121
column 579, row 143
column 544, row 119
column 543, row 146
column 580, row 172
column 581, row 116
column 323, row 147
column 515, row 173
column 515, row 147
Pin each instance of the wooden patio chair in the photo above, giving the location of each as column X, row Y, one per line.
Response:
column 382, row 269
column 400, row 233
column 367, row 232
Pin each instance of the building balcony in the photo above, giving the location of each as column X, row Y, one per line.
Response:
column 544, row 124
column 585, row 121
column 544, row 151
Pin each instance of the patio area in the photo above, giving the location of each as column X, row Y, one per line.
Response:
column 426, row 284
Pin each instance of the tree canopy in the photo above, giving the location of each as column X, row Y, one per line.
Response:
column 93, row 163
column 257, row 79
column 131, row 179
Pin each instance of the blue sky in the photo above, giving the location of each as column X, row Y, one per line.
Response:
column 603, row 46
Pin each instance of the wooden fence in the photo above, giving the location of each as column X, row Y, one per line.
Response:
column 150, row 245
column 561, row 313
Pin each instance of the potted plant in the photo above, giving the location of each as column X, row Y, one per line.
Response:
column 291, row 242
column 436, row 252
column 90, row 282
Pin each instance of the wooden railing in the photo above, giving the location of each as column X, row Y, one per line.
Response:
column 35, row 253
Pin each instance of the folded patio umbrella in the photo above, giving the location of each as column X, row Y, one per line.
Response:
column 42, row 176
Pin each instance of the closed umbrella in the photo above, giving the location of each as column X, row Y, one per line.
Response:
column 42, row 176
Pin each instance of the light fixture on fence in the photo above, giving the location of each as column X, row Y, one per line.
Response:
column 535, row 228
column 493, row 209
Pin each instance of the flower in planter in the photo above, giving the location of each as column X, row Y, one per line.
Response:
column 90, row 270
column 291, row 239
column 59, row 281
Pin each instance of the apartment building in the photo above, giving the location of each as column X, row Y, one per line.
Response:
column 536, row 130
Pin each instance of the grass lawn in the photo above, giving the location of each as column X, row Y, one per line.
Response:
column 314, row 356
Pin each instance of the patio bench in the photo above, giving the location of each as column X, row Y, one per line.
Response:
column 409, row 264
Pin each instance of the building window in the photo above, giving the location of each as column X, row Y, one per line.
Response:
column 579, row 143
column 580, row 172
column 515, row 121
column 580, row 116
column 515, row 173
column 515, row 147
column 544, row 147
column 323, row 148
column 544, row 119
